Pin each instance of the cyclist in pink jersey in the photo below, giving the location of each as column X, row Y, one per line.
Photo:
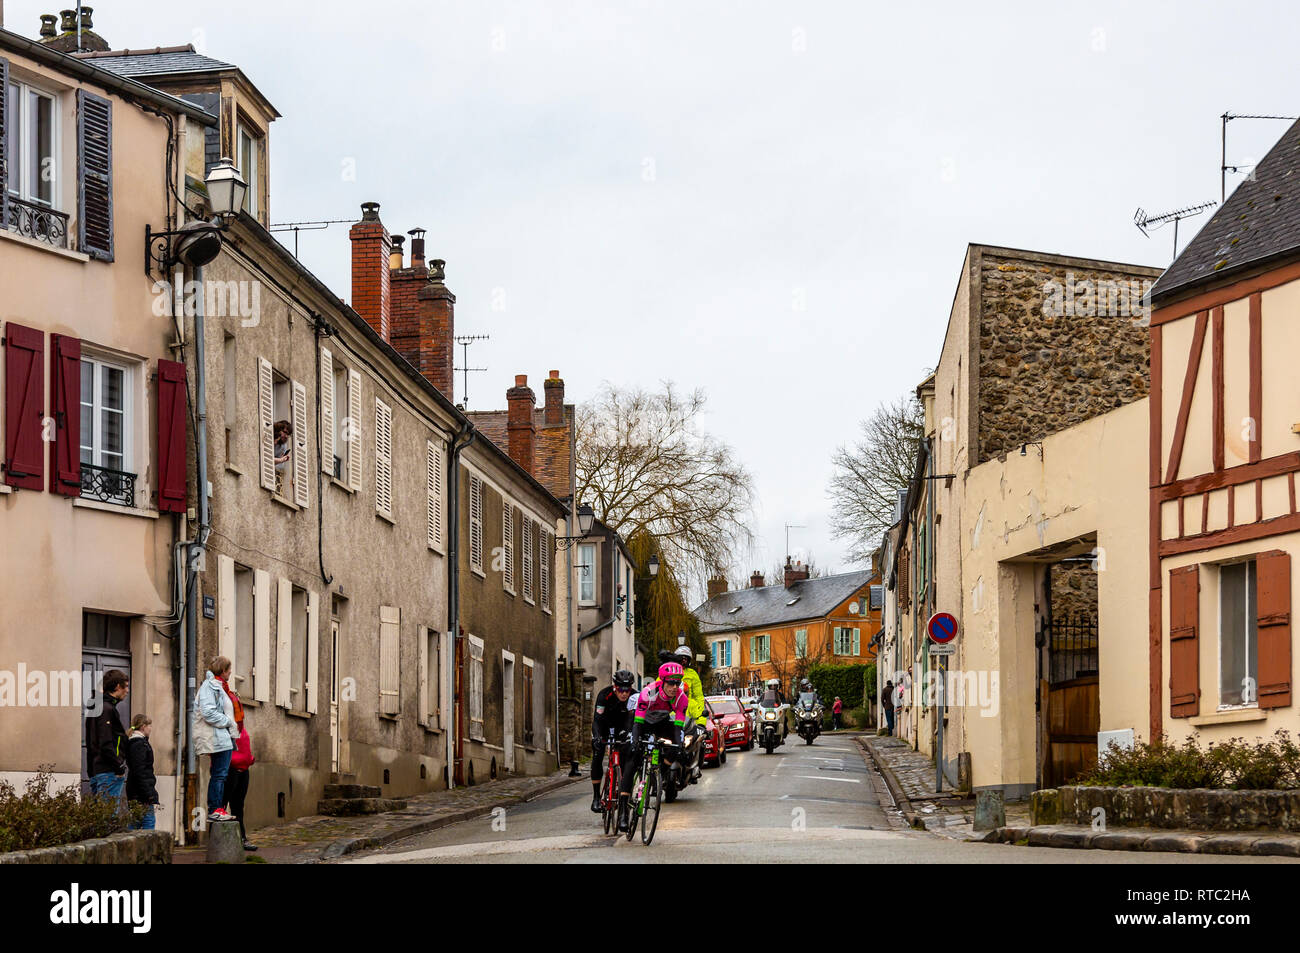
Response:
column 660, row 711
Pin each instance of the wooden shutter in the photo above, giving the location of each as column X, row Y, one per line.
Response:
column 528, row 558
column 172, row 396
column 1184, row 622
column 389, row 671
column 476, row 688
column 856, row 641
column 94, row 176
column 313, row 649
column 434, row 487
column 352, row 430
column 539, row 704
column 65, row 400
column 300, row 493
column 4, row 143
column 476, row 523
column 545, row 551
column 24, row 410
column 326, row 411
column 266, row 421
column 529, row 711
column 383, row 458
column 261, row 635
column 904, row 586
column 508, row 545
column 1273, row 627
column 422, row 674
column 284, row 644
column 226, row 602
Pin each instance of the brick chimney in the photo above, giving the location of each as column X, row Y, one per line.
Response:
column 554, row 387
column 423, row 317
column 417, row 247
column 756, row 580
column 370, row 266
column 521, row 431
column 717, row 585
column 794, row 573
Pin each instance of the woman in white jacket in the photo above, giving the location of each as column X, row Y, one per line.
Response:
column 215, row 733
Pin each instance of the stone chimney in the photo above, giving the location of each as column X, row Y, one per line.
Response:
column 49, row 26
column 756, row 580
column 554, row 387
column 717, row 585
column 794, row 573
column 68, row 38
column 423, row 316
column 370, row 265
column 521, row 431
column 417, row 247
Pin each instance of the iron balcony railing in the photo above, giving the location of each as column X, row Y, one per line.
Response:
column 107, row 485
column 37, row 222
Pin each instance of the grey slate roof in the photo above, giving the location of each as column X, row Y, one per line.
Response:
column 155, row 64
column 1260, row 221
column 767, row 606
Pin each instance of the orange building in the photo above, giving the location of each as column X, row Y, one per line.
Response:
column 781, row 631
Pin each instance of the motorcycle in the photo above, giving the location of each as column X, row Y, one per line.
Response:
column 772, row 727
column 686, row 766
column 808, row 717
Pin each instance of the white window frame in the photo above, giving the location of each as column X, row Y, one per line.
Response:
column 250, row 176
column 99, row 360
column 800, row 652
column 1252, row 620
column 476, row 646
column 22, row 144
column 763, row 642
column 591, row 566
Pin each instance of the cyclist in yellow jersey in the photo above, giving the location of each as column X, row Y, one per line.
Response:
column 695, row 719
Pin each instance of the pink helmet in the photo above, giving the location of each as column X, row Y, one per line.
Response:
column 670, row 670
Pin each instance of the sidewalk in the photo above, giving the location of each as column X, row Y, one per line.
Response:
column 909, row 776
column 317, row 838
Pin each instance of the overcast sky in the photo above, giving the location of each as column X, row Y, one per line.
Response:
column 768, row 200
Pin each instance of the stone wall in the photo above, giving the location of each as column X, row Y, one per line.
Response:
column 132, row 847
column 1058, row 344
column 1167, row 808
column 1074, row 591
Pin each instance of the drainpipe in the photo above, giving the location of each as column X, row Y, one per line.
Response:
column 464, row 437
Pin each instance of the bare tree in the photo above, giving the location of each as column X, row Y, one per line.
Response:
column 646, row 466
column 868, row 475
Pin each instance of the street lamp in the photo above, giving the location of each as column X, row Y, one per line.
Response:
column 586, row 516
column 198, row 242
column 654, row 565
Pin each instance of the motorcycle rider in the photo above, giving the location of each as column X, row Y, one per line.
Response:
column 611, row 712
column 773, row 698
column 660, row 711
column 696, row 722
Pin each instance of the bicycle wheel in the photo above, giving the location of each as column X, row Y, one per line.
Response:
column 637, row 807
column 650, row 816
column 609, row 811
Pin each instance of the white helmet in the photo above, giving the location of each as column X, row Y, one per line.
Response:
column 685, row 652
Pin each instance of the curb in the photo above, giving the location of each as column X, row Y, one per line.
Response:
column 351, row 845
column 891, row 781
column 1253, row 844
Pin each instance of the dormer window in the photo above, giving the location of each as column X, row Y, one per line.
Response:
column 733, row 611
column 794, row 600
column 248, row 145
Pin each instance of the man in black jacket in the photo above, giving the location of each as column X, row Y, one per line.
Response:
column 106, row 739
column 611, row 712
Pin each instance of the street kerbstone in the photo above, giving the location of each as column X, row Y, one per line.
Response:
column 1240, row 844
column 1118, row 840
column 1281, row 846
column 1173, row 843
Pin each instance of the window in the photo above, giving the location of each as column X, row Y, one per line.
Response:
column 106, row 425
column 801, row 643
column 430, row 686
column 383, row 459
column 722, row 654
column 877, row 597
column 1238, row 636
column 476, row 524
column 476, row 688
column 587, row 573
column 846, row 641
column 242, row 674
column 340, row 399
column 529, row 702
column 282, row 424
column 31, row 144
column 528, row 559
column 390, row 699
column 298, row 674
column 508, row 546
column 760, row 648
column 248, row 146
column 229, row 353
column 541, row 732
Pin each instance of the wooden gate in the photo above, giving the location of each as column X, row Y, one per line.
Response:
column 1072, row 700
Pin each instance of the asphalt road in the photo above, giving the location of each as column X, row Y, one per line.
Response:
column 802, row 803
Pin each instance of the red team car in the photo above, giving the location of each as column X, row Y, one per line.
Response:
column 736, row 726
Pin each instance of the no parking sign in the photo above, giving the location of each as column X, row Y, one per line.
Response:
column 942, row 628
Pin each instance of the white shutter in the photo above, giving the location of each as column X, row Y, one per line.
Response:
column 265, row 423
column 476, row 523
column 433, row 469
column 855, row 641
column 508, row 545
column 422, row 638
column 476, row 688
column 390, row 620
column 261, row 635
column 284, row 644
column 326, row 411
column 383, row 458
column 300, row 495
column 226, row 625
column 313, row 649
column 352, row 430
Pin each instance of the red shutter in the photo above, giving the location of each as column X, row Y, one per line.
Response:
column 1273, row 627
column 24, row 413
column 171, row 437
column 65, row 398
column 1184, row 622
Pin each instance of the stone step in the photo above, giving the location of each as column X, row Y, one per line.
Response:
column 336, row 778
column 335, row 791
column 353, row 806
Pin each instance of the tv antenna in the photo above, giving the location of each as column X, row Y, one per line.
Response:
column 1144, row 220
column 1224, row 168
column 297, row 227
column 465, row 340
column 788, row 527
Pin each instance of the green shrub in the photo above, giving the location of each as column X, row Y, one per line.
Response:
column 38, row 818
column 842, row 680
column 1235, row 763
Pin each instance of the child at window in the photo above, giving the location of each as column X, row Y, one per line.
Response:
column 283, row 450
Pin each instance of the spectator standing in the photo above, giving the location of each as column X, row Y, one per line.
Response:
column 887, row 703
column 215, row 733
column 106, row 739
column 836, row 709
column 241, row 759
column 141, row 784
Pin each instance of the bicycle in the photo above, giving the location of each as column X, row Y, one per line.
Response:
column 610, row 784
column 647, row 794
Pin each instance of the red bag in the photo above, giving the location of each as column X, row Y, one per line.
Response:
column 242, row 758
